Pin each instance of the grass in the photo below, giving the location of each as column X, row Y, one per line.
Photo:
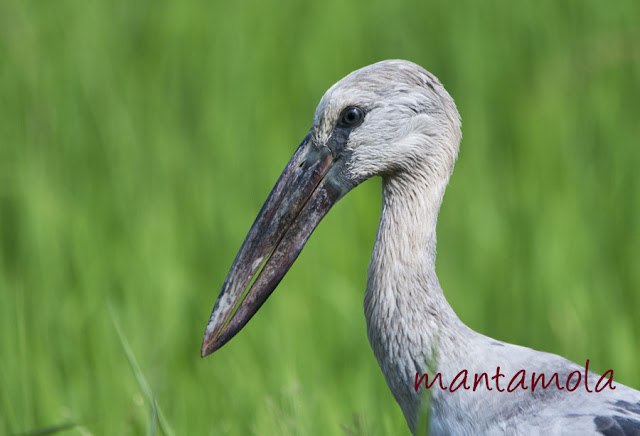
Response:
column 138, row 141
column 156, row 416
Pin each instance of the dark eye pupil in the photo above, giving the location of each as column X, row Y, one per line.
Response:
column 352, row 116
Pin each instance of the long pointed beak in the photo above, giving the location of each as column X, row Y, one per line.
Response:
column 304, row 193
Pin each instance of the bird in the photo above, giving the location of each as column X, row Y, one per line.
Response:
column 394, row 119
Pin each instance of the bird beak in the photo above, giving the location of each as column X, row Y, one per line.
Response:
column 310, row 184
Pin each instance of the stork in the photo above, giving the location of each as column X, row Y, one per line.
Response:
column 395, row 120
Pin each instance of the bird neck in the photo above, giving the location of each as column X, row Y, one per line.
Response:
column 402, row 271
column 410, row 324
column 407, row 228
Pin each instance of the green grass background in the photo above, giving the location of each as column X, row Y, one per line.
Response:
column 138, row 140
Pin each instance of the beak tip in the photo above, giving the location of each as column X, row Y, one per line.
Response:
column 206, row 349
column 208, row 345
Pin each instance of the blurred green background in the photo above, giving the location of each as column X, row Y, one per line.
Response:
column 138, row 140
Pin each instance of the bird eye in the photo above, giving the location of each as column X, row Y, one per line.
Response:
column 351, row 117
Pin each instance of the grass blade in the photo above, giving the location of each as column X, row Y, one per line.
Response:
column 155, row 410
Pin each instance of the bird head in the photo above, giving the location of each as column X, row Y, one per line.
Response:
column 392, row 119
column 389, row 118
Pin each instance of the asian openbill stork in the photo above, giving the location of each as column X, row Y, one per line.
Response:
column 394, row 119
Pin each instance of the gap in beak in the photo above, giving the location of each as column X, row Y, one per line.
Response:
column 243, row 296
